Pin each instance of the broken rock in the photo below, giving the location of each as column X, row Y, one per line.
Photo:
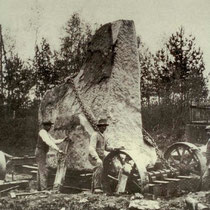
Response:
column 107, row 86
column 143, row 205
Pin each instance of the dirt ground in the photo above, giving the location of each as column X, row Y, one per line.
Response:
column 50, row 200
column 88, row 201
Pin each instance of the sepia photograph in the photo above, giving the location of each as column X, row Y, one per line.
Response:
column 104, row 104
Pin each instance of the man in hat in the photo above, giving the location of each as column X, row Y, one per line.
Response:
column 44, row 142
column 96, row 155
column 206, row 176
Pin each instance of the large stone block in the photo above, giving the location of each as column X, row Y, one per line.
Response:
column 108, row 85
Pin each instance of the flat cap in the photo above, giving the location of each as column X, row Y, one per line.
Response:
column 102, row 122
column 48, row 122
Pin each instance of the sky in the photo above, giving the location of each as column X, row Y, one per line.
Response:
column 155, row 20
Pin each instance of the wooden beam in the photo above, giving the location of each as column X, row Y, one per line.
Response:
column 23, row 184
column 23, row 160
column 122, row 182
column 3, row 192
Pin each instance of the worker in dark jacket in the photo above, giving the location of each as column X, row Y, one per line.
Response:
column 44, row 142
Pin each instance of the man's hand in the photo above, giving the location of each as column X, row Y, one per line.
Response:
column 67, row 139
column 61, row 152
column 111, row 149
column 118, row 148
column 99, row 161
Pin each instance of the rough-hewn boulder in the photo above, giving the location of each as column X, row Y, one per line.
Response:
column 109, row 87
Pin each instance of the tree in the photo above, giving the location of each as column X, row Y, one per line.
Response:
column 74, row 45
column 45, row 75
column 147, row 72
column 185, row 67
column 17, row 83
column 174, row 76
column 51, row 67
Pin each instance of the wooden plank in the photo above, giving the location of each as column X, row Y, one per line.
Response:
column 23, row 184
column 75, row 188
column 34, row 174
column 160, row 182
column 4, row 192
column 14, row 195
column 184, row 177
column 62, row 168
column 122, row 182
column 23, row 160
column 172, row 179
column 25, row 169
column 30, row 167
column 152, row 178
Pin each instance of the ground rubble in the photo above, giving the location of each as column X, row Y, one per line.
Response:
column 88, row 201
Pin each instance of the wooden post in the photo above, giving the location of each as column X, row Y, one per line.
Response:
column 62, row 167
column 122, row 182
column 123, row 178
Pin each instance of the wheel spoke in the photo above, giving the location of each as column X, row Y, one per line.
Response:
column 173, row 160
column 194, row 157
column 127, row 158
column 137, row 185
column 183, row 153
column 120, row 159
column 113, row 178
column 178, row 152
column 195, row 172
column 185, row 159
column 189, row 160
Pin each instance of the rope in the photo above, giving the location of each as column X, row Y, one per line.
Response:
column 89, row 117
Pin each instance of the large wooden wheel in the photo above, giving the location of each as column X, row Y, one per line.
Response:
column 187, row 158
column 2, row 166
column 122, row 174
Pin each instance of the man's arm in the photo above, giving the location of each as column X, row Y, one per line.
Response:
column 92, row 147
column 47, row 139
column 57, row 141
column 109, row 148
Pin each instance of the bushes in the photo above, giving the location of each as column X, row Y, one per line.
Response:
column 165, row 121
column 18, row 136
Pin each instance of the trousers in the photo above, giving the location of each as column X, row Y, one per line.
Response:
column 97, row 177
column 42, row 175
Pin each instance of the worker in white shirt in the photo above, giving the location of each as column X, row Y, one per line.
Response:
column 96, row 155
column 44, row 142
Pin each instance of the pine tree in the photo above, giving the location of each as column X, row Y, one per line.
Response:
column 74, row 45
column 45, row 75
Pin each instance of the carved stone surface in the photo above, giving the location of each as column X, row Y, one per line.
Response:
column 109, row 87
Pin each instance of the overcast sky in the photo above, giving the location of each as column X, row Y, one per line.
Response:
column 155, row 20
